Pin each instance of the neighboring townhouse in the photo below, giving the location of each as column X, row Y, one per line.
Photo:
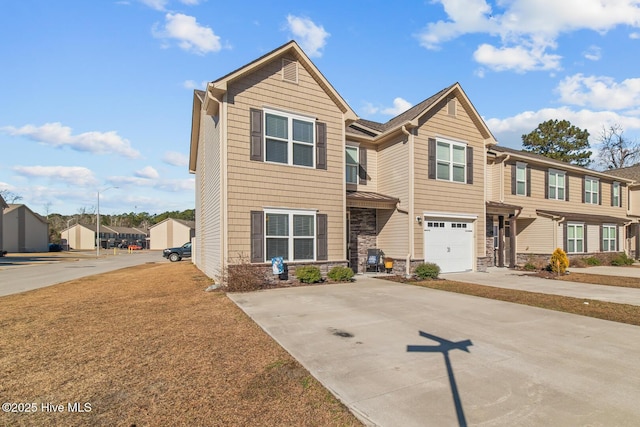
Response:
column 633, row 229
column 24, row 230
column 284, row 167
column 79, row 237
column 536, row 204
column 3, row 206
column 83, row 236
column 171, row 233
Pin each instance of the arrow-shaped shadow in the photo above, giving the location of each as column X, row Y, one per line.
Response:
column 444, row 347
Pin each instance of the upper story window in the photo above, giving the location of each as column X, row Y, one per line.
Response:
column 615, row 195
column 351, row 162
column 289, row 139
column 591, row 195
column 451, row 161
column 557, row 184
column 521, row 179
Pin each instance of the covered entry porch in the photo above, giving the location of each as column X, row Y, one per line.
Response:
column 501, row 233
column 363, row 225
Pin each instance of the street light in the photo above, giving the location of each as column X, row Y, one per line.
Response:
column 98, row 240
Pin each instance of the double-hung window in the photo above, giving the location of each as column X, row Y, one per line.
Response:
column 352, row 165
column 557, row 184
column 609, row 238
column 521, row 179
column 591, row 190
column 451, row 161
column 290, row 234
column 615, row 194
column 575, row 238
column 289, row 139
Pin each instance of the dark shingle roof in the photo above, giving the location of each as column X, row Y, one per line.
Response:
column 631, row 172
column 404, row 117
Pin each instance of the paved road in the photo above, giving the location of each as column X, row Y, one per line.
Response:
column 400, row 355
column 17, row 276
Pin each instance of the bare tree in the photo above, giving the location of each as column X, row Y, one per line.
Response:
column 9, row 196
column 616, row 151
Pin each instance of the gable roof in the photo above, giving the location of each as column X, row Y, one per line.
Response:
column 539, row 158
column 630, row 172
column 212, row 97
column 19, row 206
column 186, row 223
column 410, row 118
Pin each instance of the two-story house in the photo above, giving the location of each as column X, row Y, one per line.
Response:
column 536, row 204
column 284, row 167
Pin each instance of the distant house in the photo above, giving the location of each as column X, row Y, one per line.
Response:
column 171, row 233
column 83, row 236
column 3, row 206
column 24, row 230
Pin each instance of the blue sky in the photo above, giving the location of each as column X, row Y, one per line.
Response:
column 98, row 94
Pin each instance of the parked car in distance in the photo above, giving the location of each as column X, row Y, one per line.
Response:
column 54, row 247
column 176, row 254
column 134, row 247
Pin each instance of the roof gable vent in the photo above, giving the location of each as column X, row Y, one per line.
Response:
column 289, row 71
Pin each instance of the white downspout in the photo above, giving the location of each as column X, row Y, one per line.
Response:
column 411, row 239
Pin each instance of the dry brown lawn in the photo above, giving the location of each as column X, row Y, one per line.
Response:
column 599, row 279
column 146, row 346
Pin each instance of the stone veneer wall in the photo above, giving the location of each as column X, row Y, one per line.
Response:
column 363, row 236
column 271, row 278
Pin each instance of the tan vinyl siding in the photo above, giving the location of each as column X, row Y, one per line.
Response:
column 536, row 236
column 537, row 200
column 393, row 169
column 208, row 255
column 489, row 181
column 592, row 233
column 254, row 185
column 451, row 197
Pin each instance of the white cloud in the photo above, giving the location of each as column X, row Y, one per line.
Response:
column 594, row 53
column 518, row 58
column 191, row 36
column 74, row 175
column 147, row 172
column 156, row 4
column 509, row 131
column 56, row 135
column 600, row 92
column 634, row 36
column 530, row 24
column 191, row 85
column 166, row 185
column 175, row 159
column 312, row 38
column 399, row 106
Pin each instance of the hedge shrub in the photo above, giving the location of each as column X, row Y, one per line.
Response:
column 340, row 274
column 427, row 270
column 559, row 261
column 308, row 274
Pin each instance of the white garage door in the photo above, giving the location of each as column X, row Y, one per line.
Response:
column 448, row 242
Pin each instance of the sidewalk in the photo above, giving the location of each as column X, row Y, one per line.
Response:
column 520, row 280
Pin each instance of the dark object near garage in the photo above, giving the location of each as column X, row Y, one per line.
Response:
column 54, row 247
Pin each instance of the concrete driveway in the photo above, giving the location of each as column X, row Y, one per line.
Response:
column 521, row 280
column 400, row 355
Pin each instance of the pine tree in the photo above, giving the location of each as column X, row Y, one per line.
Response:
column 560, row 140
